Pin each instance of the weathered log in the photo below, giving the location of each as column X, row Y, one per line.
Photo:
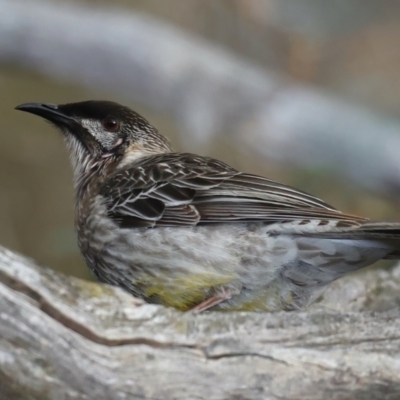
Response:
column 63, row 338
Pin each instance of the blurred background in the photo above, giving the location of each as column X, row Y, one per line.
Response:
column 302, row 91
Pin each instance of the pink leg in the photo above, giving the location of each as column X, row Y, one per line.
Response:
column 212, row 301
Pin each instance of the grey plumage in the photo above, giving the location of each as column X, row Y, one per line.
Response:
column 189, row 231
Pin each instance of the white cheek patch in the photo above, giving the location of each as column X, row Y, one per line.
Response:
column 91, row 125
column 106, row 139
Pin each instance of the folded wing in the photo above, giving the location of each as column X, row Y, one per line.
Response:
column 185, row 190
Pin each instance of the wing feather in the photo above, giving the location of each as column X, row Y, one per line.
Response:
column 177, row 189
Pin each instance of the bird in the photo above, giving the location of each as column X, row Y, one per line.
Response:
column 193, row 233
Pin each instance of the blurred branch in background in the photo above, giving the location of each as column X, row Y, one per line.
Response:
column 209, row 90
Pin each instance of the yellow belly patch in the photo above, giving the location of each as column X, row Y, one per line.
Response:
column 186, row 292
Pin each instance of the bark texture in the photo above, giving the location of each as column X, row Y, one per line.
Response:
column 63, row 338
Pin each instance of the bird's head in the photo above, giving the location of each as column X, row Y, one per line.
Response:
column 100, row 134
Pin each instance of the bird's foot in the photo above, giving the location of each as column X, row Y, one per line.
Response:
column 212, row 301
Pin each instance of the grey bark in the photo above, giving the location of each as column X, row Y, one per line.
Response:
column 63, row 338
column 208, row 90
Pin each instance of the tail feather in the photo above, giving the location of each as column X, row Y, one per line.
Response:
column 367, row 230
column 387, row 232
column 383, row 235
column 386, row 228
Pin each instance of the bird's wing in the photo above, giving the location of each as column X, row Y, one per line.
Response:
column 184, row 189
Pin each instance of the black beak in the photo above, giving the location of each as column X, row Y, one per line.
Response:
column 51, row 112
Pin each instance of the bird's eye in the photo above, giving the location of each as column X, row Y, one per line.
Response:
column 111, row 124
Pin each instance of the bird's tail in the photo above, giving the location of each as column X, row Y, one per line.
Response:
column 323, row 257
column 386, row 234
